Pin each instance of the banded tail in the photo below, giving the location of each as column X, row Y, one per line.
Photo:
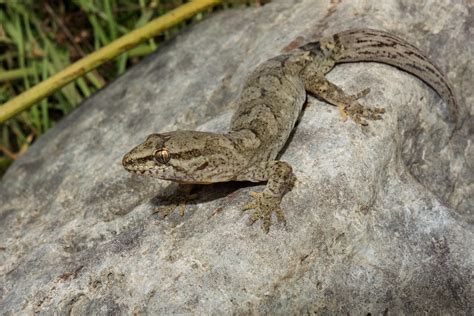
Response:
column 378, row 46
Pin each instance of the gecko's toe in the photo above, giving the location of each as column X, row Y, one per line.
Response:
column 181, row 209
column 343, row 112
column 264, row 205
column 254, row 217
column 266, row 224
column 280, row 215
column 360, row 94
column 254, row 194
column 249, row 206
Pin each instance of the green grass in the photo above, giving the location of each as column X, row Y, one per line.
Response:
column 40, row 38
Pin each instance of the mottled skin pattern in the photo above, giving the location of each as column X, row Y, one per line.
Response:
column 268, row 108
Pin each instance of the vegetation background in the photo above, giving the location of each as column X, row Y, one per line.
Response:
column 40, row 38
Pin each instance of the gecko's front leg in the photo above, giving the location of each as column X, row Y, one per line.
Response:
column 280, row 179
column 179, row 199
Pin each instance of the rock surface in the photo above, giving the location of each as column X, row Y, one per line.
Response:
column 380, row 220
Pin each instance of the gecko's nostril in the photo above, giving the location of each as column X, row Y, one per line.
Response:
column 126, row 161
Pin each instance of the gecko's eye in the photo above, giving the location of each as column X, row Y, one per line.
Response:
column 162, row 155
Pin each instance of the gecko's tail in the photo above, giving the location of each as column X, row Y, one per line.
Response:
column 378, row 46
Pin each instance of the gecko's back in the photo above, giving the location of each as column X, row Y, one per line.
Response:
column 270, row 103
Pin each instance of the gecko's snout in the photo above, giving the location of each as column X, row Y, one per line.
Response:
column 126, row 161
column 129, row 162
column 142, row 161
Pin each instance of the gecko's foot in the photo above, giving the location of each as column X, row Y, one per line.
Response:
column 179, row 201
column 350, row 107
column 360, row 114
column 166, row 210
column 264, row 205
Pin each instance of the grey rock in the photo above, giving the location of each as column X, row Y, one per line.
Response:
column 380, row 220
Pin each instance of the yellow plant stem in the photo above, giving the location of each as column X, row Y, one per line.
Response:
column 97, row 58
column 16, row 74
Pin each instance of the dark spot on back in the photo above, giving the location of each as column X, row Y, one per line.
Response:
column 203, row 166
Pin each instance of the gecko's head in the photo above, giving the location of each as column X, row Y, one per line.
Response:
column 182, row 156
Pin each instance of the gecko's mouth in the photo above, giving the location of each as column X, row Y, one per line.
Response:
column 155, row 174
column 141, row 172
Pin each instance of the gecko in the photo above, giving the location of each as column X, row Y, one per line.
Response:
column 268, row 108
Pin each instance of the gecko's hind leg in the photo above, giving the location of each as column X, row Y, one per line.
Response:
column 348, row 105
column 178, row 200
